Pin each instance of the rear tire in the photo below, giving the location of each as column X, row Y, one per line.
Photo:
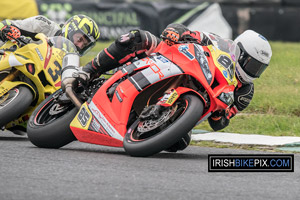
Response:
column 14, row 103
column 51, row 131
column 191, row 111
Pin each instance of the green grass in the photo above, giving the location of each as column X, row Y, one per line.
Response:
column 275, row 108
column 91, row 54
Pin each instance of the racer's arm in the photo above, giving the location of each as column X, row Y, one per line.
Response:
column 175, row 33
column 33, row 25
column 136, row 43
column 242, row 96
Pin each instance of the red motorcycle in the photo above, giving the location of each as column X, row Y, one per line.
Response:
column 147, row 106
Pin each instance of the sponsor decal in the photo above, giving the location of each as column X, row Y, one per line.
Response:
column 41, row 18
column 262, row 37
column 39, row 54
column 264, row 53
column 225, row 73
column 111, row 131
column 169, row 98
column 184, row 49
column 173, row 97
column 95, row 125
column 162, row 59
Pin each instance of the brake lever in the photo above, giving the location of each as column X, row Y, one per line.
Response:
column 22, row 41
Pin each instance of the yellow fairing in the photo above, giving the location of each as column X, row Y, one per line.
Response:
column 39, row 62
column 47, row 63
column 83, row 118
column 228, row 71
column 8, row 85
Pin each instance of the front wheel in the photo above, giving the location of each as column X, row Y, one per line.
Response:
column 49, row 124
column 14, row 103
column 148, row 137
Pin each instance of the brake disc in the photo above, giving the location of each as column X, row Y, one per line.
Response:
column 6, row 99
column 151, row 124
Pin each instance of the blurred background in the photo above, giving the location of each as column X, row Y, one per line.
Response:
column 275, row 19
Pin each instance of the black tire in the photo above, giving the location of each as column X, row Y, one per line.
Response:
column 14, row 103
column 182, row 144
column 51, row 131
column 186, row 120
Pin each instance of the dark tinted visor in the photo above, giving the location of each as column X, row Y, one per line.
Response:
column 250, row 65
column 254, row 68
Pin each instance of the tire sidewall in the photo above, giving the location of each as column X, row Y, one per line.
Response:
column 53, row 135
column 17, row 106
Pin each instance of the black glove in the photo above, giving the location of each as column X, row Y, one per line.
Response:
column 133, row 41
column 191, row 36
column 10, row 32
column 218, row 120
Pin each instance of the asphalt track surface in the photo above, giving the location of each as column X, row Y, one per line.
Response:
column 85, row 171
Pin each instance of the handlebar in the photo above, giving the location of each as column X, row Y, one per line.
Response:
column 22, row 40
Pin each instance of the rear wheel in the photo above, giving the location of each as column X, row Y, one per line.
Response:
column 150, row 136
column 14, row 103
column 49, row 124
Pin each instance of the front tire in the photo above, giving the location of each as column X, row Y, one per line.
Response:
column 190, row 109
column 49, row 124
column 14, row 103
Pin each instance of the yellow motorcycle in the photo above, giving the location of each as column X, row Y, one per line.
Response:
column 29, row 73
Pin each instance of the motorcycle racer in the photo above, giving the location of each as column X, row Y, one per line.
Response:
column 255, row 55
column 79, row 29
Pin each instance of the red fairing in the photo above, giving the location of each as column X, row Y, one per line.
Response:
column 184, row 60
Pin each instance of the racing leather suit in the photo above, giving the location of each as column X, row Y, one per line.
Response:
column 33, row 25
column 139, row 43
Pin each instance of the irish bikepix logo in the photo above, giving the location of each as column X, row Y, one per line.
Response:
column 251, row 163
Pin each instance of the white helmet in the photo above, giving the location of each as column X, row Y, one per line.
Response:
column 255, row 55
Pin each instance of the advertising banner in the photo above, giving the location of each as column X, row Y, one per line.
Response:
column 113, row 19
column 273, row 19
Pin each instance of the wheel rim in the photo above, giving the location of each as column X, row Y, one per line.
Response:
column 51, row 111
column 8, row 97
column 147, row 129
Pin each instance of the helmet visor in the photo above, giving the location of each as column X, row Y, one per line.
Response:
column 250, row 65
column 253, row 67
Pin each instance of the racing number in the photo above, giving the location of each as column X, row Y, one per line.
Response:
column 83, row 117
column 225, row 61
column 54, row 73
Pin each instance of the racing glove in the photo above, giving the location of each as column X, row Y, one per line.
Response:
column 71, row 77
column 10, row 32
column 170, row 36
column 191, row 36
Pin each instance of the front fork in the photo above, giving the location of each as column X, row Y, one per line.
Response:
column 171, row 95
column 11, row 76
